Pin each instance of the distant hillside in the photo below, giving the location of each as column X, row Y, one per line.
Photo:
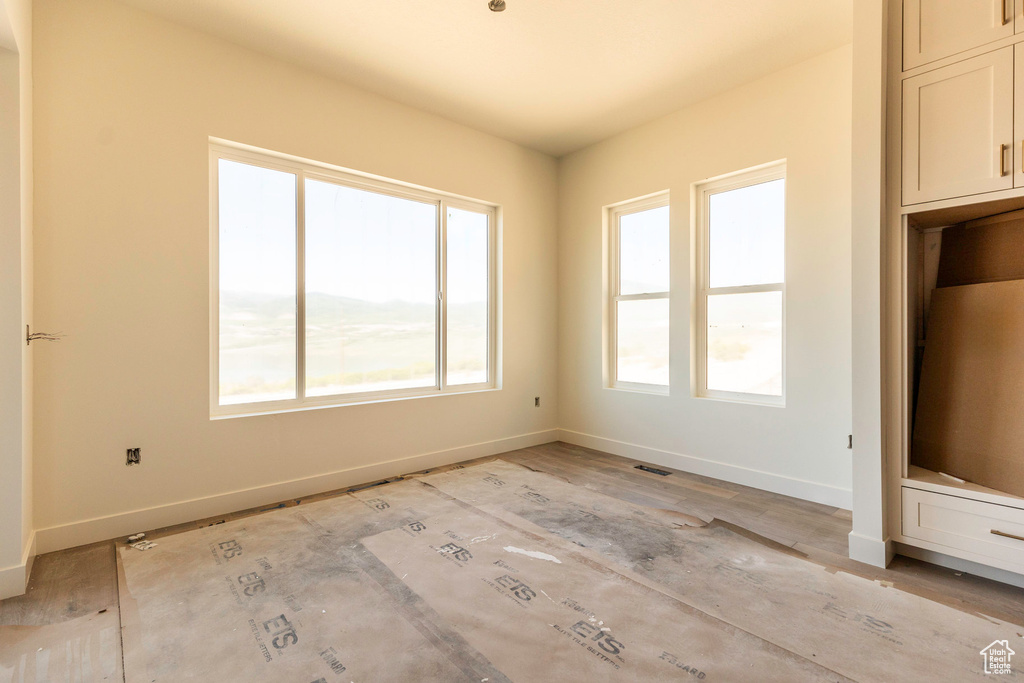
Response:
column 350, row 342
column 327, row 308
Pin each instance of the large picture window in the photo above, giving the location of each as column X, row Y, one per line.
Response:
column 639, row 301
column 741, row 292
column 332, row 288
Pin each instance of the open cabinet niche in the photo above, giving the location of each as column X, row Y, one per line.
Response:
column 962, row 483
column 968, row 355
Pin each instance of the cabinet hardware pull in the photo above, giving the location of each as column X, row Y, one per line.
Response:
column 1005, row 20
column 1006, row 535
column 1002, row 160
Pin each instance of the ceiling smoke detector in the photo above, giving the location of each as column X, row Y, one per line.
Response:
column 496, row 5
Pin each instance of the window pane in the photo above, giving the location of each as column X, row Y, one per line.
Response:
column 257, row 283
column 643, row 251
column 745, row 343
column 467, row 297
column 642, row 354
column 747, row 227
column 371, row 291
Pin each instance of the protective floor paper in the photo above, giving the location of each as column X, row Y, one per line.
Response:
column 852, row 625
column 497, row 573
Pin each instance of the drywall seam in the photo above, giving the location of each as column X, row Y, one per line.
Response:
column 14, row 580
column 787, row 486
column 122, row 524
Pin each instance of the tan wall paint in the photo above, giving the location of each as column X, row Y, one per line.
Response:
column 125, row 103
column 802, row 114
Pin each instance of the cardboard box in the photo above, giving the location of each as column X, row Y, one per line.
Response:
column 971, row 398
column 986, row 250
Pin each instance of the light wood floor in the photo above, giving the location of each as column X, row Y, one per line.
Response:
column 79, row 581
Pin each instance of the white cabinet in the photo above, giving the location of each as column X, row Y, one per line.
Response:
column 983, row 532
column 933, row 29
column 960, row 123
column 958, row 129
column 1018, row 114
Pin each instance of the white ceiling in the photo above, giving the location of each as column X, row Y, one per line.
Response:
column 553, row 75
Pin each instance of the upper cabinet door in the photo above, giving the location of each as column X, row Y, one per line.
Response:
column 933, row 29
column 958, row 129
column 1018, row 115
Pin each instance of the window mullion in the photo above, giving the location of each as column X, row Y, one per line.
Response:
column 300, row 288
column 442, row 297
column 616, row 288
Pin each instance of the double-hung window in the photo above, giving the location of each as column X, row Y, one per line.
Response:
column 741, row 285
column 330, row 287
column 639, row 294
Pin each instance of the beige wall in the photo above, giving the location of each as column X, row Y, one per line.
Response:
column 125, row 103
column 802, row 114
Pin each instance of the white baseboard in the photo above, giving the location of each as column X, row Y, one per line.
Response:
column 14, row 580
column 869, row 550
column 127, row 523
column 960, row 565
column 787, row 486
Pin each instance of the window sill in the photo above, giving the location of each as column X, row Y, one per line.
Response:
column 652, row 389
column 746, row 399
column 252, row 410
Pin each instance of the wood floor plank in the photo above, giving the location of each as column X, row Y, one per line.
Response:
column 678, row 486
column 65, row 585
column 587, row 454
column 965, row 591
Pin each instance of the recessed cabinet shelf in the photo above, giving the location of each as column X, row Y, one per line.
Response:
column 920, row 478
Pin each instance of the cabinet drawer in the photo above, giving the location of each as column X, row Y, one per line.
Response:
column 966, row 525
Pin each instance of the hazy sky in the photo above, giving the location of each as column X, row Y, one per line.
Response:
column 748, row 235
column 359, row 244
column 257, row 229
column 644, row 251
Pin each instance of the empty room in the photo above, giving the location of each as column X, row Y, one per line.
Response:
column 511, row 340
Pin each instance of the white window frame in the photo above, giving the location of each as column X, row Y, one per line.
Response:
column 701, row 193
column 613, row 215
column 303, row 169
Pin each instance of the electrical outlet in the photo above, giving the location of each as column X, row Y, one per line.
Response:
column 133, row 457
column 536, row 401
